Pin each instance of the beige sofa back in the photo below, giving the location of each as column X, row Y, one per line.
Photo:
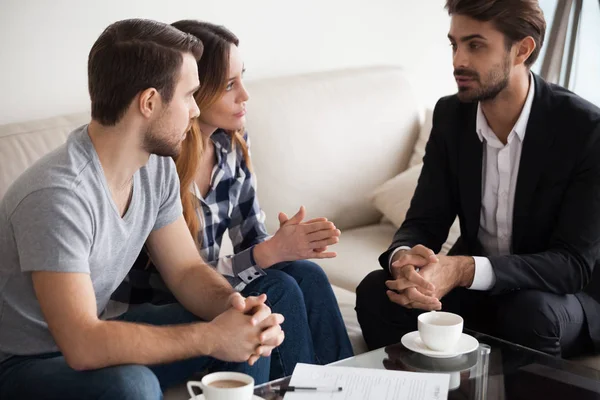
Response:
column 325, row 140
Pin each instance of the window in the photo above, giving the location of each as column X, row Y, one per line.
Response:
column 582, row 64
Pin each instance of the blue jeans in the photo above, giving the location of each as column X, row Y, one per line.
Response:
column 48, row 376
column 314, row 329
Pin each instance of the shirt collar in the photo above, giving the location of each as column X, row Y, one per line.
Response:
column 485, row 132
column 222, row 141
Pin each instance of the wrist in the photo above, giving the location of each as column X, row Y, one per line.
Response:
column 466, row 271
column 264, row 254
column 208, row 340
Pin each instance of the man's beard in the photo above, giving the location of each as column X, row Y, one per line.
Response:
column 165, row 145
column 497, row 81
column 156, row 141
column 160, row 146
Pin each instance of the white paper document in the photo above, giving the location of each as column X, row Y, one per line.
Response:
column 367, row 384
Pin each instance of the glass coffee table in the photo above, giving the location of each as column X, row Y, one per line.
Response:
column 497, row 370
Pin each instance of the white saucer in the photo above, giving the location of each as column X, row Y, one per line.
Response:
column 466, row 344
column 201, row 397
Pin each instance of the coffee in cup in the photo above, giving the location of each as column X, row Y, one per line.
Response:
column 440, row 331
column 227, row 383
column 224, row 386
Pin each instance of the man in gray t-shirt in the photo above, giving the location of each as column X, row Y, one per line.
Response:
column 73, row 224
column 60, row 216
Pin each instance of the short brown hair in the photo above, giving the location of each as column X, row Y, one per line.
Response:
column 131, row 56
column 516, row 19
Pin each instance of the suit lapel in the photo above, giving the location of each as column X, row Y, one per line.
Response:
column 470, row 168
column 538, row 140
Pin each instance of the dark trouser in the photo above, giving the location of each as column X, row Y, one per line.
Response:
column 551, row 323
column 48, row 376
column 313, row 326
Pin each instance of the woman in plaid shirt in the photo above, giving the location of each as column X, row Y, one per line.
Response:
column 218, row 192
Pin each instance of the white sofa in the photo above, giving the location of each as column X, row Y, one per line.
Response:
column 324, row 140
column 328, row 141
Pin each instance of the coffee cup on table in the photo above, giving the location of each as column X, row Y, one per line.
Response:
column 440, row 331
column 224, row 386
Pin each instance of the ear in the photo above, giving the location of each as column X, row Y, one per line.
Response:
column 524, row 48
column 148, row 102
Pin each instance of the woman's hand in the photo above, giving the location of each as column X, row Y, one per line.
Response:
column 298, row 240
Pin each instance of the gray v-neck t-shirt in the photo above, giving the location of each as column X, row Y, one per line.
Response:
column 59, row 215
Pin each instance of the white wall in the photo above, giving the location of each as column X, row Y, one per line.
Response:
column 44, row 43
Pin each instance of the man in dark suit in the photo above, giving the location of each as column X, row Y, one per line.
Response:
column 518, row 161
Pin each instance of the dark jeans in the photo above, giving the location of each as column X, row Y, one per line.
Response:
column 551, row 323
column 49, row 377
column 313, row 326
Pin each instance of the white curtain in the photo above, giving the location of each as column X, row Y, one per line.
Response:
column 560, row 43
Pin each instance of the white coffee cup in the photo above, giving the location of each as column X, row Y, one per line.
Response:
column 440, row 331
column 211, row 392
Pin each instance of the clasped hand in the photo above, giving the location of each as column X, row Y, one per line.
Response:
column 421, row 278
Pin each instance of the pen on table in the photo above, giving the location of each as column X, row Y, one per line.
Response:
column 308, row 389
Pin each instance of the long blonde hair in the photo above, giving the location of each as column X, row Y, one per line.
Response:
column 212, row 72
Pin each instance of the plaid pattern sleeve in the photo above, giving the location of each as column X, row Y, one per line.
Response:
column 232, row 205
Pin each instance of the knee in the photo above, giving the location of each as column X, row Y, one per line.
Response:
column 525, row 317
column 277, row 285
column 309, row 272
column 371, row 292
column 133, row 382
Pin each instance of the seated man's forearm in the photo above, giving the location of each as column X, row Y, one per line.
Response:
column 204, row 292
column 108, row 343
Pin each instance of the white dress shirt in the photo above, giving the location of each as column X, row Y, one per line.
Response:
column 500, row 168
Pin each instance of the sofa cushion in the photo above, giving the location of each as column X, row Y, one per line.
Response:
column 325, row 140
column 393, row 200
column 22, row 144
column 358, row 251
column 424, row 132
column 346, row 301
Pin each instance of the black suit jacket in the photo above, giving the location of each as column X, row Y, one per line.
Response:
column 556, row 219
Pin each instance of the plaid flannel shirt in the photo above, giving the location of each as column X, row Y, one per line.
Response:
column 230, row 204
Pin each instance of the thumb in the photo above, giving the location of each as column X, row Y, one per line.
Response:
column 238, row 302
column 299, row 217
column 283, row 218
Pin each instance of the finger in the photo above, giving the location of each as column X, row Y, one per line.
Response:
column 413, row 276
column 253, row 359
column 410, row 259
column 260, row 313
column 411, row 298
column 322, row 255
column 283, row 218
column 399, row 284
column 425, row 252
column 312, row 221
column 237, row 301
column 270, row 336
column 264, row 351
column 416, row 297
column 298, row 218
column 324, row 243
column 399, row 298
column 426, row 306
column 318, row 226
column 321, row 235
column 272, row 320
column 253, row 301
column 320, row 249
